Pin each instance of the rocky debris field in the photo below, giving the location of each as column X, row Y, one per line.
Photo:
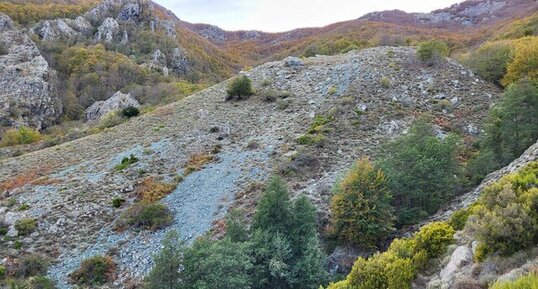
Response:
column 366, row 98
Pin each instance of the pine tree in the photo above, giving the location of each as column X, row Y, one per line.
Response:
column 273, row 211
column 165, row 273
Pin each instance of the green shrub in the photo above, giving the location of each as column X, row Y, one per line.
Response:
column 130, row 111
column 434, row 238
column 4, row 228
column 529, row 281
column 332, row 91
column 315, row 133
column 111, row 119
column 25, row 226
column 126, row 162
column 397, row 267
column 505, row 220
column 39, row 282
column 491, row 60
column 420, row 168
column 480, row 166
column 361, row 213
column 23, row 135
column 117, row 202
column 432, row 51
column 94, row 271
column 32, row 265
column 3, row 49
column 385, row 82
column 459, row 218
column 239, row 88
column 2, row 272
column 146, row 216
column 23, row 207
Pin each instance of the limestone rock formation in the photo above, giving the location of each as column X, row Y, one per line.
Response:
column 107, row 30
column 179, row 61
column 117, row 101
column 28, row 95
column 130, row 12
column 49, row 30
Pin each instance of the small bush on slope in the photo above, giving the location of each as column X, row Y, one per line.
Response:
column 360, row 207
column 239, row 88
column 491, row 60
column 94, row 271
column 505, row 220
column 146, row 216
column 432, row 52
column 398, row 266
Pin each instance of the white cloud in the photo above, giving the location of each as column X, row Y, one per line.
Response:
column 283, row 15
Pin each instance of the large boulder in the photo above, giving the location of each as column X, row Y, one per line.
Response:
column 117, row 101
column 28, row 95
column 461, row 257
column 5, row 22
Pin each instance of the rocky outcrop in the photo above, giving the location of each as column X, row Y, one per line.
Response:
column 130, row 12
column 108, row 29
column 179, row 62
column 117, row 101
column 27, row 94
column 49, row 30
column 81, row 25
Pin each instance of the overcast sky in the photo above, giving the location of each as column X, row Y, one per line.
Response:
column 284, row 15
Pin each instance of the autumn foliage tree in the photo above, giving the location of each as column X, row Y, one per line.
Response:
column 361, row 213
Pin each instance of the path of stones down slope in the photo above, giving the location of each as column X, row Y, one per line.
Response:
column 70, row 187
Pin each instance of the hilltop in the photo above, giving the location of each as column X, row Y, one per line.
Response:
column 69, row 188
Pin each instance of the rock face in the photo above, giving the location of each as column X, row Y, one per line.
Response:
column 117, row 101
column 27, row 95
column 179, row 62
column 54, row 29
column 461, row 257
column 107, row 30
column 130, row 12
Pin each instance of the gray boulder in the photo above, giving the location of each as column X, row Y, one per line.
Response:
column 461, row 257
column 28, row 95
column 293, row 62
column 107, row 30
column 5, row 22
column 117, row 101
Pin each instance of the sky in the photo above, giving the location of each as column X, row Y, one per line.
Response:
column 284, row 15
